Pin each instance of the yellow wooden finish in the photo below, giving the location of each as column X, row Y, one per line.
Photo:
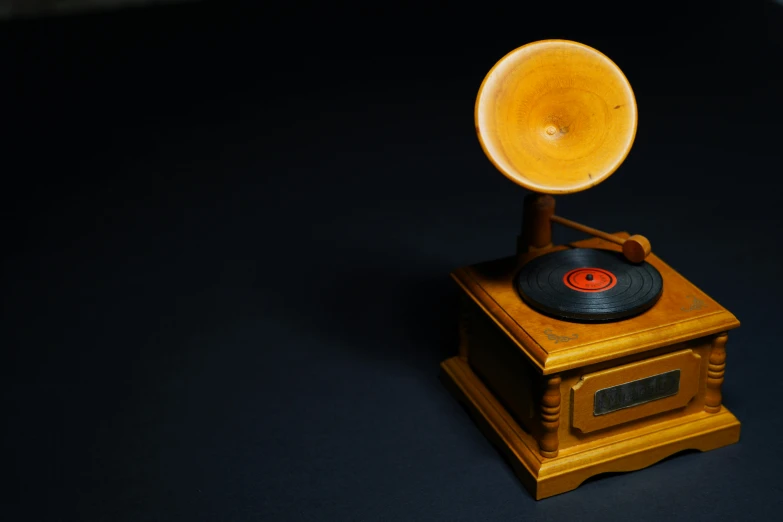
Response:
column 556, row 116
column 583, row 392
column 536, row 224
column 617, row 240
column 682, row 313
column 635, row 248
column 529, row 380
column 632, row 449
column 569, row 436
column 715, row 371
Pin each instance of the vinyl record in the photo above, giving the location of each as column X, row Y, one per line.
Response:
column 588, row 285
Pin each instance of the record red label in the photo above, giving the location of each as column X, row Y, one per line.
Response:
column 588, row 279
column 568, row 284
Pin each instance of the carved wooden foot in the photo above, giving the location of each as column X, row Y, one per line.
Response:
column 550, row 417
column 715, row 372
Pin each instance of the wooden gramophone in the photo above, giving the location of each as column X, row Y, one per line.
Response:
column 594, row 356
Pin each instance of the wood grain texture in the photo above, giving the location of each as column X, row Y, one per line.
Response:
column 556, row 116
column 583, row 392
column 631, row 450
column 684, row 312
column 635, row 248
column 506, row 371
column 515, row 332
column 550, row 417
column 519, row 386
column 715, row 373
column 530, row 380
column 536, row 223
column 571, row 437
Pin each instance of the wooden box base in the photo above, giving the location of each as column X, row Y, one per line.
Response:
column 628, row 451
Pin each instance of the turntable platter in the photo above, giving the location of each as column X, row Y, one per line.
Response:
column 588, row 285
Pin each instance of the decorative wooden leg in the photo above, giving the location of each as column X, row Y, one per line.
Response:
column 536, row 223
column 715, row 372
column 463, row 328
column 550, row 417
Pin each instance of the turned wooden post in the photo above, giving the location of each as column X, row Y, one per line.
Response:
column 550, row 417
column 715, row 372
column 536, row 223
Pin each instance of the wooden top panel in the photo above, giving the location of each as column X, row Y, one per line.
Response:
column 683, row 312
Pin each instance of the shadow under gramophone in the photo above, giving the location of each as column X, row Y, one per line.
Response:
column 376, row 306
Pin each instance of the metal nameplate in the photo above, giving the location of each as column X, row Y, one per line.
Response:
column 633, row 393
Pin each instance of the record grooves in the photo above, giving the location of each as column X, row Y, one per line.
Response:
column 588, row 285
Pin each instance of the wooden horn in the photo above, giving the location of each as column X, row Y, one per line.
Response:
column 556, row 116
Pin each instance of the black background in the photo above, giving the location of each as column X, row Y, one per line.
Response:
column 228, row 229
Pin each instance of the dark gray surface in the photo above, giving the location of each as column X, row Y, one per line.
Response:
column 45, row 8
column 227, row 244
